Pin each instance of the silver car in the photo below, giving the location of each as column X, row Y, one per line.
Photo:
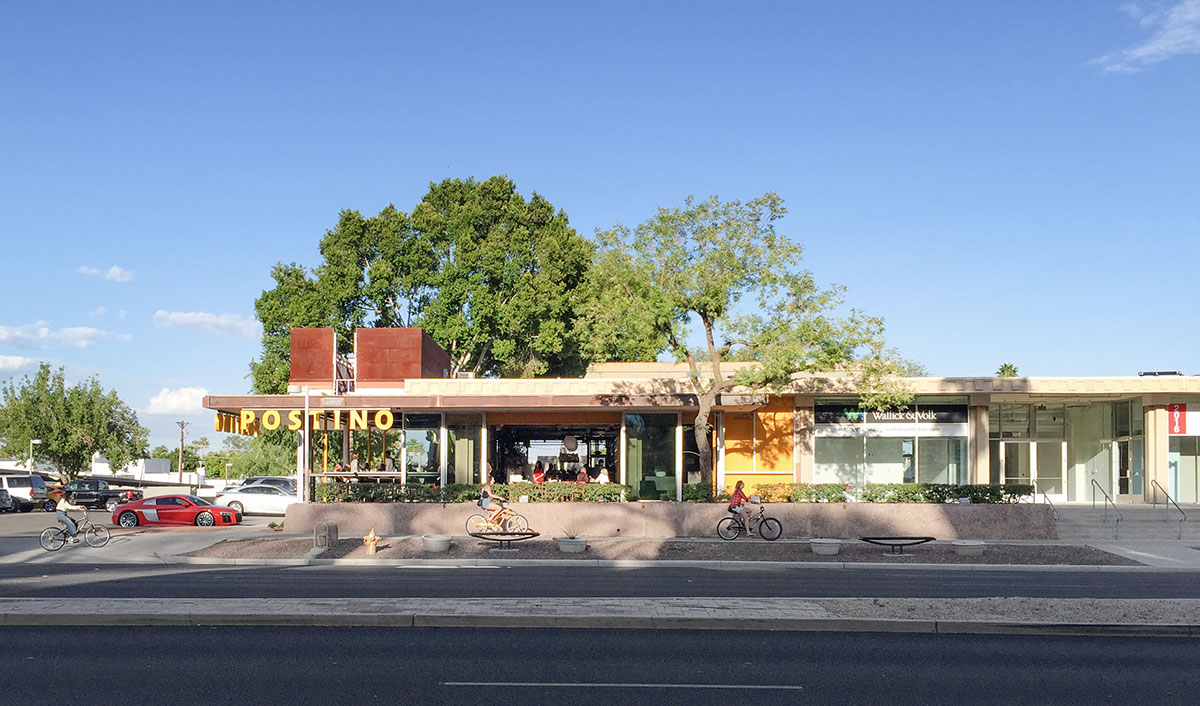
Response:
column 257, row 499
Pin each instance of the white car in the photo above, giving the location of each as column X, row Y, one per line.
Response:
column 257, row 499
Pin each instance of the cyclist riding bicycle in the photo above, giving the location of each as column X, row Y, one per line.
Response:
column 740, row 504
column 60, row 511
column 486, row 496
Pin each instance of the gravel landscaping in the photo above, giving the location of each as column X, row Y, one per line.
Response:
column 668, row 550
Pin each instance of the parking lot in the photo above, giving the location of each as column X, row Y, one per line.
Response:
column 19, row 533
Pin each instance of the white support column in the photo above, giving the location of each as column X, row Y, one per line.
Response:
column 403, row 460
column 621, row 454
column 306, row 431
column 719, row 452
column 443, row 451
column 678, row 456
column 483, row 446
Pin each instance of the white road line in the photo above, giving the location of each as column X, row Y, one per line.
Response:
column 619, row 686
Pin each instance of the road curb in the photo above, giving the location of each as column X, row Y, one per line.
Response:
column 451, row 620
column 668, row 563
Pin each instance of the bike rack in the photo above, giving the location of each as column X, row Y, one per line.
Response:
column 897, row 544
column 505, row 538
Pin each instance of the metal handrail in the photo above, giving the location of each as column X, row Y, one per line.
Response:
column 1046, row 500
column 1107, row 501
column 1154, row 502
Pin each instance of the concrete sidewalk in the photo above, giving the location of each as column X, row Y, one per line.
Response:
column 1026, row 616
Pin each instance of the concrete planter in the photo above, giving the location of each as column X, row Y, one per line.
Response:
column 828, row 547
column 968, row 547
column 571, row 545
column 435, row 542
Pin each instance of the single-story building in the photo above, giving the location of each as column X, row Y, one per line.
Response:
column 393, row 402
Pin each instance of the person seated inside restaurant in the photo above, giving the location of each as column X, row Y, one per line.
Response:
column 582, row 477
column 602, row 476
column 539, row 473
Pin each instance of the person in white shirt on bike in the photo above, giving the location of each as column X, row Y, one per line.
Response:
column 60, row 511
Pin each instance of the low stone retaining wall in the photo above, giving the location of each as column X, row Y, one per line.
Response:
column 666, row 520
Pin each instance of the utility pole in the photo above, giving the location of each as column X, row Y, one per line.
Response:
column 182, row 426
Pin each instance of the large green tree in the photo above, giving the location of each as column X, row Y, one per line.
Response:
column 73, row 423
column 490, row 275
column 723, row 266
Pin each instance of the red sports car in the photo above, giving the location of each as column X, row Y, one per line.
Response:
column 174, row 510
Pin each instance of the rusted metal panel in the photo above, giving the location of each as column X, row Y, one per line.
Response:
column 313, row 351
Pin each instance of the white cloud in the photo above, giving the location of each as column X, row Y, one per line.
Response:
column 118, row 274
column 98, row 311
column 185, row 400
column 39, row 334
column 1175, row 32
column 115, row 273
column 225, row 324
column 17, row 365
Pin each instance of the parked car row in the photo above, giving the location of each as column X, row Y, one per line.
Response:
column 229, row 508
column 25, row 492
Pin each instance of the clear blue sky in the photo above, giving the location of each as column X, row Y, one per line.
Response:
column 1008, row 181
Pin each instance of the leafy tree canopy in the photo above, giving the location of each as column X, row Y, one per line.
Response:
column 491, row 276
column 724, row 266
column 73, row 423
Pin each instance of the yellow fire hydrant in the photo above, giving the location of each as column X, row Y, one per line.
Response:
column 371, row 540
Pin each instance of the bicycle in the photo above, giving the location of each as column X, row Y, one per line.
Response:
column 769, row 528
column 53, row 538
column 505, row 521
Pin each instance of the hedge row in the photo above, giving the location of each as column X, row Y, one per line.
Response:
column 692, row 492
column 872, row 493
column 465, row 492
column 944, row 492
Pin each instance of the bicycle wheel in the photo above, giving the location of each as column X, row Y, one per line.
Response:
column 476, row 523
column 729, row 528
column 516, row 523
column 52, row 539
column 96, row 536
column 770, row 529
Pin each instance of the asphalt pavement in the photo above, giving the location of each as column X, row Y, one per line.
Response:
column 362, row 665
column 1018, row 604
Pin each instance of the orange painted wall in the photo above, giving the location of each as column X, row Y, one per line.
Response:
column 759, row 446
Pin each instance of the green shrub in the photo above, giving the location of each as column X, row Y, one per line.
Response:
column 697, row 493
column 464, row 492
column 944, row 492
column 773, row 492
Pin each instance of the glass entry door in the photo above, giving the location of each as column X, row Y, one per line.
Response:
column 1040, row 463
column 1127, row 470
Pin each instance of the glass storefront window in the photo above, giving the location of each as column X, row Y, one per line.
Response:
column 942, row 460
column 1050, row 421
column 888, row 460
column 650, row 455
column 421, row 434
column 462, row 451
column 1014, row 421
column 838, row 460
column 1120, row 423
column 994, row 421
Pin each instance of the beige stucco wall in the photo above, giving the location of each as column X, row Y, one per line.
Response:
column 665, row 520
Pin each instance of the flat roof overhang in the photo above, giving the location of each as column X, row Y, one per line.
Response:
column 233, row 404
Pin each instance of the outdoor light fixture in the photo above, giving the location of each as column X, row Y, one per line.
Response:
column 31, row 443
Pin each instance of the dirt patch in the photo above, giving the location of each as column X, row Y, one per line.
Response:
column 671, row 550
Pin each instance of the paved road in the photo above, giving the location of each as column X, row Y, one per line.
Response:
column 450, row 666
column 70, row 580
